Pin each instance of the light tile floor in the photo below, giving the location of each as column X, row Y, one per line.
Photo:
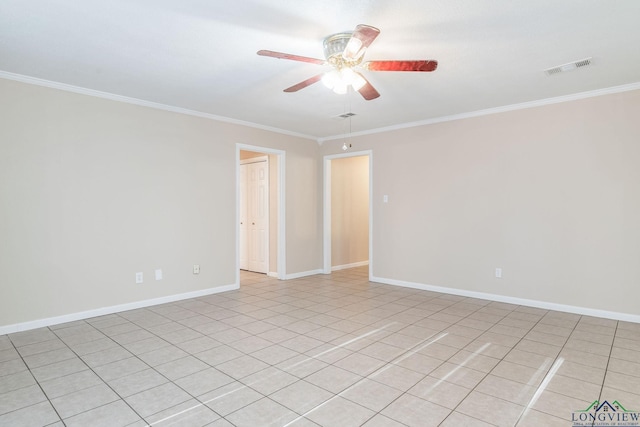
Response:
column 331, row 350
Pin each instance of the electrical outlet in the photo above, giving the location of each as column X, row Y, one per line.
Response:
column 499, row 273
column 139, row 277
column 158, row 274
column 196, row 268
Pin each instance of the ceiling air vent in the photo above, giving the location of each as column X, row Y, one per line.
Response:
column 345, row 115
column 568, row 67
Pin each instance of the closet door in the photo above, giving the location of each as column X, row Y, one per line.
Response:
column 244, row 247
column 258, row 216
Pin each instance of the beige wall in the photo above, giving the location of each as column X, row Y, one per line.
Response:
column 93, row 191
column 549, row 194
column 349, row 210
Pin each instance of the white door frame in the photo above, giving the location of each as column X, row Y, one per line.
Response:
column 327, row 207
column 281, row 245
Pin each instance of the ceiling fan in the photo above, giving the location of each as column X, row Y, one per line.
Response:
column 345, row 53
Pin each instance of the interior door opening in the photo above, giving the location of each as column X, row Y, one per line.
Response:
column 260, row 241
column 347, row 211
column 254, row 213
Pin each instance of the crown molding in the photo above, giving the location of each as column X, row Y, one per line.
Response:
column 140, row 102
column 135, row 101
column 489, row 111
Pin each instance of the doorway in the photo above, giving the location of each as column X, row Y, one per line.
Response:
column 254, row 212
column 347, row 232
column 260, row 215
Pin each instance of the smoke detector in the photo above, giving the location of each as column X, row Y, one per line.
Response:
column 568, row 67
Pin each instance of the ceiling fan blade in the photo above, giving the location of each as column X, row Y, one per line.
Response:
column 367, row 91
column 360, row 40
column 281, row 55
column 304, row 84
column 422, row 65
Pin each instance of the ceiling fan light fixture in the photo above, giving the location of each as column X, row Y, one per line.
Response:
column 331, row 79
column 335, row 44
column 354, row 49
column 358, row 81
column 339, row 81
column 341, row 88
column 347, row 75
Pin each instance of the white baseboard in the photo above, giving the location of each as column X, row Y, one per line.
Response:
column 41, row 323
column 303, row 274
column 626, row 317
column 272, row 274
column 19, row 327
column 352, row 265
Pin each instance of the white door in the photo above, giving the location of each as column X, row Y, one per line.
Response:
column 254, row 216
column 258, row 206
column 244, row 249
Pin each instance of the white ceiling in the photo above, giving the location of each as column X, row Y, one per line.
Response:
column 200, row 55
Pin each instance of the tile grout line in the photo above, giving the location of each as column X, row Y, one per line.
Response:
column 301, row 354
column 175, row 346
column 388, row 364
column 132, row 356
column 273, row 366
column 237, row 380
column 451, row 411
column 36, row 380
column 531, row 402
column 606, row 369
column 456, row 301
column 169, row 381
column 96, row 374
column 501, row 360
column 443, row 362
column 315, row 357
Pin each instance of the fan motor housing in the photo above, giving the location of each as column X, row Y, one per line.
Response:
column 334, row 45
